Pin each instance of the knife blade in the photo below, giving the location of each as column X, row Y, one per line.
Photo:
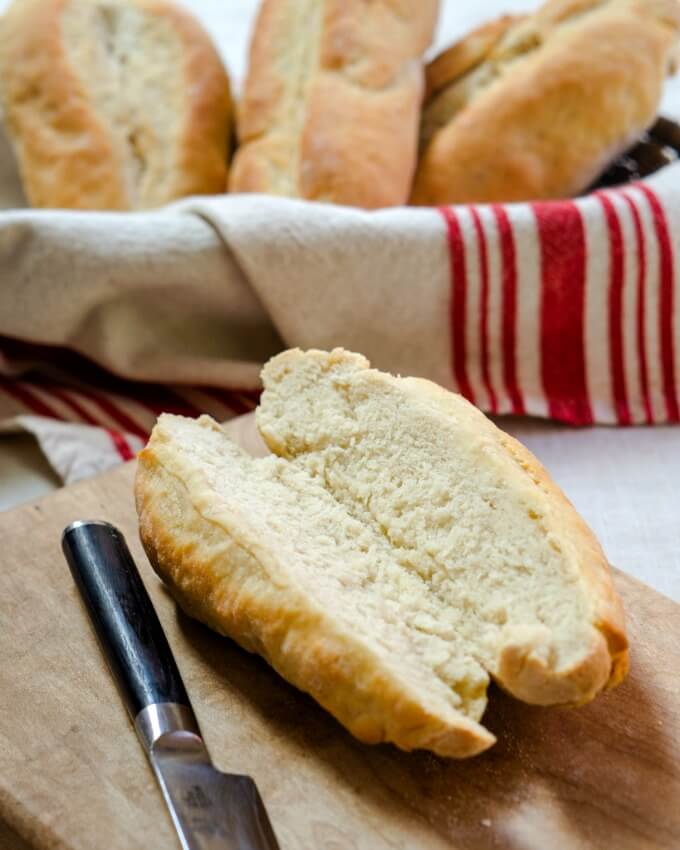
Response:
column 210, row 810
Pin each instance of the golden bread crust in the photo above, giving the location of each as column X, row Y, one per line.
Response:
column 608, row 616
column 331, row 104
column 202, row 167
column 557, row 96
column 65, row 147
column 43, row 100
column 465, row 54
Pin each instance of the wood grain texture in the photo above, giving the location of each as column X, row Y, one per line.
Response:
column 73, row 777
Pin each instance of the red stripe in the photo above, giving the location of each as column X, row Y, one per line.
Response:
column 158, row 399
column 181, row 405
column 484, row 307
column 248, row 400
column 154, row 398
column 72, row 403
column 226, row 398
column 156, row 408
column 666, row 305
column 252, row 395
column 458, row 302
column 115, row 413
column 616, row 280
column 563, row 289
column 509, row 342
column 23, row 395
column 641, row 307
column 120, row 443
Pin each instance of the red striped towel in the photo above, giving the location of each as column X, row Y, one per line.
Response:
column 568, row 310
column 584, row 317
column 85, row 419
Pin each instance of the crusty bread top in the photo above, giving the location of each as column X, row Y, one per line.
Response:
column 498, row 44
column 466, row 54
column 537, row 106
column 468, row 506
column 122, row 104
column 332, row 98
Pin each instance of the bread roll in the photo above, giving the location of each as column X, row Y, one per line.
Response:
column 400, row 553
column 332, row 98
column 113, row 104
column 536, row 107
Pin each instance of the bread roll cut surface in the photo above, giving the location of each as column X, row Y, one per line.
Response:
column 523, row 582
column 261, row 552
column 398, row 553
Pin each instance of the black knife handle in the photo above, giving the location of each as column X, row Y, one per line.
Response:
column 124, row 619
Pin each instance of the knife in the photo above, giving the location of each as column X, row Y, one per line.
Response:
column 210, row 810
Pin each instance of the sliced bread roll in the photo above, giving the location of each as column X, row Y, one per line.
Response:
column 523, row 583
column 400, row 552
column 260, row 551
column 113, row 104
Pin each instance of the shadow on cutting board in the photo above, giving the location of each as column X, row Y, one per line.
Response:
column 603, row 775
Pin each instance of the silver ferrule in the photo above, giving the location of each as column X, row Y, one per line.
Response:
column 160, row 718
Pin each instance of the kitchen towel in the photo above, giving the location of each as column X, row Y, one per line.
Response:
column 565, row 309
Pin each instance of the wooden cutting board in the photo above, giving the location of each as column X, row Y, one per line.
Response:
column 73, row 777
